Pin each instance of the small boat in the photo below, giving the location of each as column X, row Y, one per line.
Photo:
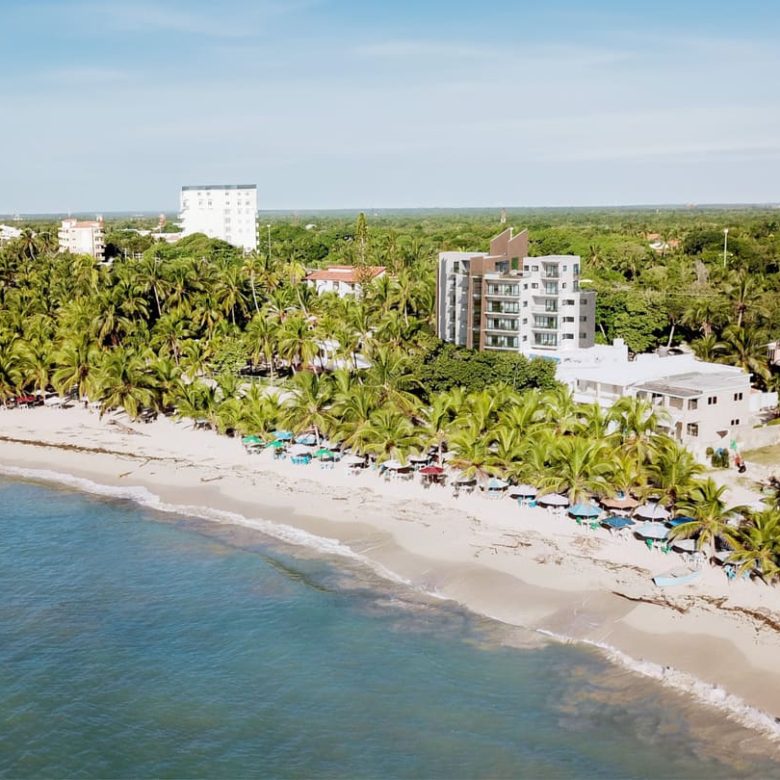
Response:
column 677, row 576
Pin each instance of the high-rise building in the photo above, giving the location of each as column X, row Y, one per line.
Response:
column 224, row 211
column 82, row 237
column 505, row 300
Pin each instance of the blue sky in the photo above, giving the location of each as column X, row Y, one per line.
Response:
column 336, row 104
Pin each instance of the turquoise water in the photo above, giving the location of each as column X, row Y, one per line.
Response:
column 134, row 644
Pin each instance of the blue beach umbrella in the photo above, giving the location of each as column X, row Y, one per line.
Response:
column 496, row 484
column 616, row 521
column 584, row 510
column 282, row 435
column 679, row 521
column 307, row 439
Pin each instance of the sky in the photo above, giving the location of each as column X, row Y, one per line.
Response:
column 327, row 104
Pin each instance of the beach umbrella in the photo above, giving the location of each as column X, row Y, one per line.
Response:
column 308, row 439
column 462, row 479
column 282, row 435
column 619, row 502
column 652, row 531
column 496, row 484
column 431, row 471
column 251, row 440
column 523, row 491
column 679, row 520
column 584, row 510
column 419, row 458
column 684, row 545
column 617, row 521
column 553, row 499
column 651, row 512
column 324, row 453
column 723, row 555
column 277, row 445
column 354, row 460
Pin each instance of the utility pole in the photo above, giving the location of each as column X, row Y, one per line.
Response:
column 269, row 240
column 725, row 246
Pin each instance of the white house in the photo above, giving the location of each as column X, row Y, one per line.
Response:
column 344, row 279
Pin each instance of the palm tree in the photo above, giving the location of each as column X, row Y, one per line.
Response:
column 124, row 381
column 10, row 372
column 581, row 467
column 758, row 544
column 296, row 342
column 307, row 408
column 746, row 348
column 706, row 505
column 75, row 362
column 262, row 337
column 471, row 454
column 673, row 470
column 389, row 434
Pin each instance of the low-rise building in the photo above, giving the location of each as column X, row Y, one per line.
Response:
column 8, row 233
column 344, row 279
column 505, row 300
column 704, row 404
column 82, row 237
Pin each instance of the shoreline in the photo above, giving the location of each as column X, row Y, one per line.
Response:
column 714, row 641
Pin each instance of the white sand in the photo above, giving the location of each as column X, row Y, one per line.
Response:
column 524, row 567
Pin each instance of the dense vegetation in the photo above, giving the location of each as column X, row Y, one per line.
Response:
column 201, row 330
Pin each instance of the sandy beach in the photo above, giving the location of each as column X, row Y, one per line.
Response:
column 717, row 640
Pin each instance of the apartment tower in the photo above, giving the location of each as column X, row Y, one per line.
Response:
column 224, row 211
column 504, row 300
column 82, row 237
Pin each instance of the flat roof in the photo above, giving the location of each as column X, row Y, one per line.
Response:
column 219, row 187
column 695, row 383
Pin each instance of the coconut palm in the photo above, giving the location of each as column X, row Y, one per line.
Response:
column 673, row 470
column 124, row 381
column 389, row 434
column 307, row 408
column 711, row 517
column 75, row 362
column 10, row 372
column 471, row 454
column 758, row 544
column 580, row 467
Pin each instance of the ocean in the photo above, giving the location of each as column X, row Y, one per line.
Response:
column 136, row 643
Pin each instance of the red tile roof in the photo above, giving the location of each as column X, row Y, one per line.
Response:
column 346, row 273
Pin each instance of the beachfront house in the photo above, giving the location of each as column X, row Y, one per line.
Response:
column 705, row 404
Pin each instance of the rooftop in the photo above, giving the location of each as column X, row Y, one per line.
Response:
column 219, row 187
column 345, row 273
column 695, row 383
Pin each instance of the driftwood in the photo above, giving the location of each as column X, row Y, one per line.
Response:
column 655, row 602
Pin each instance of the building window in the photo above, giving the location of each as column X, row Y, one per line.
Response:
column 568, row 302
column 525, row 303
column 737, row 396
column 693, row 403
column 568, row 319
column 734, row 423
column 712, row 400
column 583, row 318
column 583, row 335
column 568, row 335
column 692, row 429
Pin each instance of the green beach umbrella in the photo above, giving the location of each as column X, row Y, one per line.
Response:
column 251, row 440
column 277, row 445
column 323, row 452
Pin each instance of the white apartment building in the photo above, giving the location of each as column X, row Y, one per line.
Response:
column 9, row 233
column 505, row 300
column 704, row 404
column 224, row 211
column 82, row 237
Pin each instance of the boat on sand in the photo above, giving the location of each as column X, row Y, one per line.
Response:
column 680, row 575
